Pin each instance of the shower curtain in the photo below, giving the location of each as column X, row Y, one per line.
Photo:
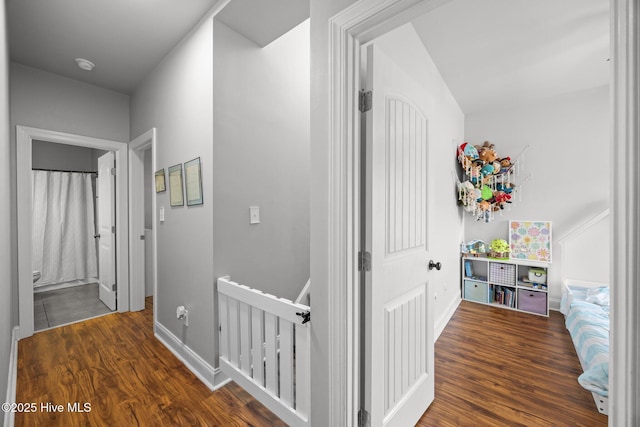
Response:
column 63, row 246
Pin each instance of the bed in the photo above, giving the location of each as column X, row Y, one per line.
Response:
column 586, row 309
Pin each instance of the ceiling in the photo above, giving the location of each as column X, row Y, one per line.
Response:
column 497, row 53
column 126, row 39
column 491, row 53
column 264, row 21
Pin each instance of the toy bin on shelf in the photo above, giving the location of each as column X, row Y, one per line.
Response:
column 532, row 301
column 476, row 291
column 537, row 275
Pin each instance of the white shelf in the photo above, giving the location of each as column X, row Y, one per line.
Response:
column 489, row 273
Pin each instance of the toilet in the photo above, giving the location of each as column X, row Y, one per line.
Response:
column 36, row 276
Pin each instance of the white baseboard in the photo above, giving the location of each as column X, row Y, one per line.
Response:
column 210, row 376
column 554, row 304
column 448, row 314
column 12, row 377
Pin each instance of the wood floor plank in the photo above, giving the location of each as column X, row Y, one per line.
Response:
column 496, row 367
column 128, row 377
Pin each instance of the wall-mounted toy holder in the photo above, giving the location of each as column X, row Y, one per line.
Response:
column 489, row 181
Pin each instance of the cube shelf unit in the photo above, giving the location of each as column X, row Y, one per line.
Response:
column 506, row 283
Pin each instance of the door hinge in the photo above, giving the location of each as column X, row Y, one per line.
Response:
column 364, row 261
column 113, row 171
column 366, row 100
column 363, row 418
column 114, row 287
column 113, row 228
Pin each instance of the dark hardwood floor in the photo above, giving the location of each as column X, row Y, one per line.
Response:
column 116, row 365
column 497, row 367
column 494, row 367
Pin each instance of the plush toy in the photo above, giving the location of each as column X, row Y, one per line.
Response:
column 486, row 192
column 486, row 170
column 484, row 208
column 501, row 198
column 467, row 153
column 497, row 167
column 475, row 173
column 486, row 152
column 507, row 187
column 505, row 164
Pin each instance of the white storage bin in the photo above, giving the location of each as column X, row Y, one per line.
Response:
column 538, row 275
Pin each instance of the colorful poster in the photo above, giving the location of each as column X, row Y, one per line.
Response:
column 530, row 240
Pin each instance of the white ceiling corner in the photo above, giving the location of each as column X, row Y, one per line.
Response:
column 264, row 21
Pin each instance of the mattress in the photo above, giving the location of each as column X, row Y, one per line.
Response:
column 588, row 325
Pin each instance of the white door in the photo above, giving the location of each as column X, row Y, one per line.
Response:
column 106, row 230
column 399, row 368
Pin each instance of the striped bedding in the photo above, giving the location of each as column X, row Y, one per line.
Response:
column 588, row 325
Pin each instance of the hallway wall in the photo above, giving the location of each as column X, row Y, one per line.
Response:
column 261, row 158
column 177, row 99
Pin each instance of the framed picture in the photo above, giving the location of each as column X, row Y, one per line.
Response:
column 193, row 182
column 176, row 196
column 530, row 240
column 160, row 183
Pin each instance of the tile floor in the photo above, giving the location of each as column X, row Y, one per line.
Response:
column 60, row 306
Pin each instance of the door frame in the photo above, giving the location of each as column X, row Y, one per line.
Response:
column 137, row 147
column 356, row 25
column 24, row 137
column 363, row 21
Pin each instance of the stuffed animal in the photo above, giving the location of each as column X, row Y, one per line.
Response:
column 497, row 167
column 505, row 164
column 467, row 153
column 486, row 152
column 475, row 172
column 501, row 198
column 484, row 208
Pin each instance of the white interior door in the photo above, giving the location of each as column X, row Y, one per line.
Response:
column 399, row 354
column 106, row 230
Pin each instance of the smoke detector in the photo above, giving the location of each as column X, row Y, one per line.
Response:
column 85, row 64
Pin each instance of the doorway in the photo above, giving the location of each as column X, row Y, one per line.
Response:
column 24, row 150
column 362, row 22
column 142, row 219
column 66, row 239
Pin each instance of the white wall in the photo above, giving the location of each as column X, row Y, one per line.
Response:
column 177, row 99
column 7, row 259
column 261, row 158
column 569, row 160
column 445, row 124
column 48, row 101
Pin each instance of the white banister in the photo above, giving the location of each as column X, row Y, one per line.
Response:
column 265, row 348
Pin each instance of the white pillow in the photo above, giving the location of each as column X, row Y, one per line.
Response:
column 598, row 296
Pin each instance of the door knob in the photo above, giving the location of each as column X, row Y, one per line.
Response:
column 435, row 265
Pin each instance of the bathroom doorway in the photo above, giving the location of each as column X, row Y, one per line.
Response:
column 26, row 139
column 68, row 256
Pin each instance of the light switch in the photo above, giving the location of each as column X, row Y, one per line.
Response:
column 161, row 213
column 254, row 214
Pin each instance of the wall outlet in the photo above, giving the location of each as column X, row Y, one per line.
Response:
column 182, row 313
